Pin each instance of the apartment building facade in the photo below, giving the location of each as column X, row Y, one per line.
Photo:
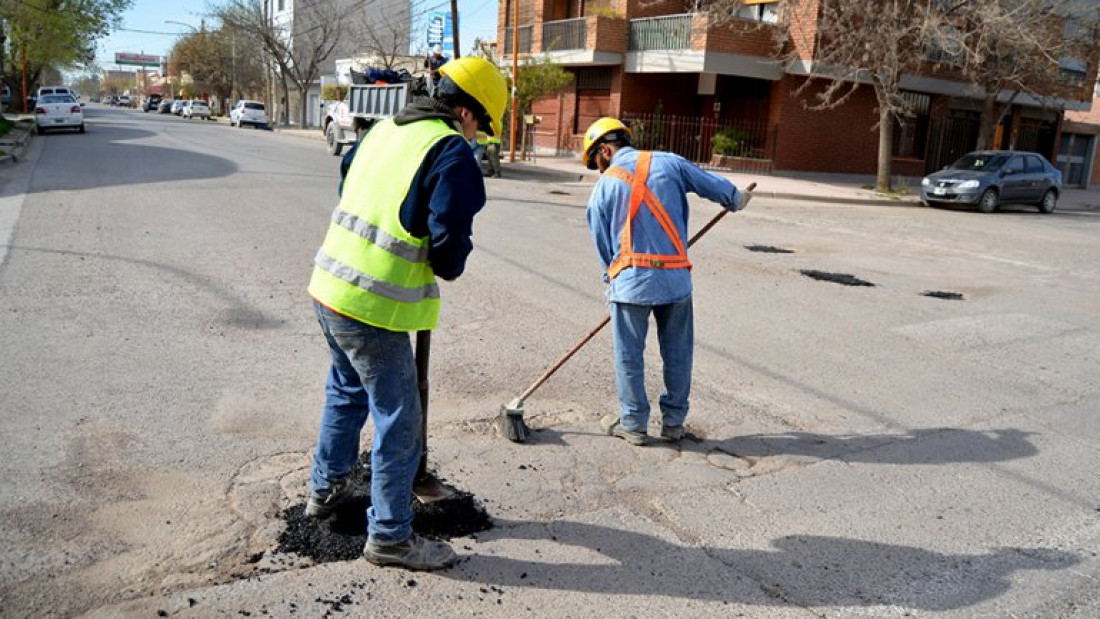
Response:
column 679, row 79
column 364, row 28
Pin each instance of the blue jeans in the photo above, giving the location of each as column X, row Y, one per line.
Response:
column 373, row 373
column 676, row 338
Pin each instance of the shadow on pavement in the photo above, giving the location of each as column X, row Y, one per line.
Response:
column 797, row 571
column 533, row 173
column 954, row 446
column 113, row 158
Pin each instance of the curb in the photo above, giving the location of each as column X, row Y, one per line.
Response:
column 19, row 135
column 838, row 199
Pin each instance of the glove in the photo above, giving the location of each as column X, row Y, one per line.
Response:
column 745, row 197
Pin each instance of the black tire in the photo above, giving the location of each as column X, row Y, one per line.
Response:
column 81, row 129
column 334, row 145
column 989, row 201
column 40, row 130
column 1049, row 201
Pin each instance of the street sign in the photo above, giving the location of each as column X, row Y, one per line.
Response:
column 440, row 32
column 140, row 60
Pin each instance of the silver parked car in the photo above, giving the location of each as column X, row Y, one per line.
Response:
column 989, row 178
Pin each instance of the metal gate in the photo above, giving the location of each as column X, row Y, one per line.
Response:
column 1075, row 159
column 950, row 138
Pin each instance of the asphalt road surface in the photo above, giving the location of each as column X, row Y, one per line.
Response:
column 855, row 451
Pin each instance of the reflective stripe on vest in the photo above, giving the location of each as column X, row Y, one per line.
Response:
column 369, row 267
column 640, row 194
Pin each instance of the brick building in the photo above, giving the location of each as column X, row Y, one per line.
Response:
column 679, row 79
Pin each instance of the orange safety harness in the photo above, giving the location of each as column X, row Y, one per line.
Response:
column 640, row 194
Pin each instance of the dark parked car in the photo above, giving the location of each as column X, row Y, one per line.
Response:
column 151, row 103
column 989, row 178
column 165, row 106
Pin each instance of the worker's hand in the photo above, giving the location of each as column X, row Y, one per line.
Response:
column 745, row 197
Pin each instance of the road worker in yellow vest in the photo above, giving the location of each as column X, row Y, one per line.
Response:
column 489, row 147
column 638, row 217
column 405, row 217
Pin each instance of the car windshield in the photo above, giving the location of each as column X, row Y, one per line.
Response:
column 979, row 162
column 57, row 99
column 254, row 106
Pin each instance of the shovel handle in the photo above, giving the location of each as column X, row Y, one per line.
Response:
column 603, row 323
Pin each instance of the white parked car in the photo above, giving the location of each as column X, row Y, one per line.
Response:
column 195, row 108
column 248, row 113
column 177, row 106
column 58, row 112
column 125, row 101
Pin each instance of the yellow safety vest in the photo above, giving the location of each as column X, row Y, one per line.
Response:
column 369, row 267
column 484, row 139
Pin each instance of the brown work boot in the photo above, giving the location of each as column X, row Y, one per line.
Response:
column 612, row 426
column 415, row 553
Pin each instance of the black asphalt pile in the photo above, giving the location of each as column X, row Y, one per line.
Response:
column 768, row 249
column 341, row 536
column 836, row 278
column 940, row 294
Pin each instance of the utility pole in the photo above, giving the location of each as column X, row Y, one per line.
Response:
column 515, row 80
column 454, row 28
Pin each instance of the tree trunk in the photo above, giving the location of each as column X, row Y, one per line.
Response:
column 303, row 109
column 284, row 109
column 987, row 124
column 885, row 148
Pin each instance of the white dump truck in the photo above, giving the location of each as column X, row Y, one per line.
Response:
column 369, row 101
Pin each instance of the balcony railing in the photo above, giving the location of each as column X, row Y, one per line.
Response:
column 667, row 32
column 525, row 37
column 564, row 34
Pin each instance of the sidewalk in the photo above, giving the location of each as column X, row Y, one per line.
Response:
column 13, row 142
column 818, row 187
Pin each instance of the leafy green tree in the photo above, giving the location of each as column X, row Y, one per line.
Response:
column 51, row 35
column 537, row 78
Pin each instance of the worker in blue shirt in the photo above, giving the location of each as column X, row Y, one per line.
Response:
column 638, row 217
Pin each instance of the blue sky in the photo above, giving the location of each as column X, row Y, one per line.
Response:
column 145, row 31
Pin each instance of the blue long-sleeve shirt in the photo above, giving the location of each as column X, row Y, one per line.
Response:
column 671, row 177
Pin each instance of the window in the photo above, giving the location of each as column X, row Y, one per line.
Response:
column 282, row 5
column 758, row 10
column 1034, row 166
column 1015, row 165
column 911, row 132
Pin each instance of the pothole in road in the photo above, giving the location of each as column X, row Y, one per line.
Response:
column 768, row 249
column 836, row 278
column 341, row 536
column 940, row 294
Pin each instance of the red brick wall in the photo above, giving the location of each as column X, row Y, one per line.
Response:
column 675, row 92
column 637, row 9
column 836, row 140
column 607, row 35
column 737, row 37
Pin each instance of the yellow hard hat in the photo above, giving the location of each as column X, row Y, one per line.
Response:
column 596, row 132
column 483, row 81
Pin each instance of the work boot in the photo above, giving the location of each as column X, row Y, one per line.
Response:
column 415, row 553
column 672, row 434
column 612, row 425
column 322, row 507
